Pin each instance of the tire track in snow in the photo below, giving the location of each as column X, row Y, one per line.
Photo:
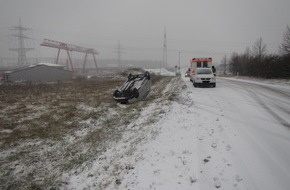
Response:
column 268, row 150
column 277, row 116
column 269, row 98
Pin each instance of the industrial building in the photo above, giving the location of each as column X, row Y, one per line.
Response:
column 39, row 73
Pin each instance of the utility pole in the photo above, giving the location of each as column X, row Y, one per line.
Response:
column 179, row 59
column 224, row 65
column 21, row 50
column 177, row 68
column 164, row 60
column 119, row 52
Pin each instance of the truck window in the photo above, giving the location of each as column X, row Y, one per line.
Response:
column 205, row 64
column 198, row 64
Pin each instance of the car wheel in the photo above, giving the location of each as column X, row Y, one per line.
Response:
column 213, row 85
column 135, row 93
column 147, row 75
column 130, row 76
column 195, row 85
column 116, row 93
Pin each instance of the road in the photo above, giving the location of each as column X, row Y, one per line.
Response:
column 234, row 136
column 251, row 136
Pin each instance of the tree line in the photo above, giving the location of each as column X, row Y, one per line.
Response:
column 256, row 62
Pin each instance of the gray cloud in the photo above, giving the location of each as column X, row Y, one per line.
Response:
column 194, row 27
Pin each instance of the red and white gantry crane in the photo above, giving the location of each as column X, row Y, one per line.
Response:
column 69, row 47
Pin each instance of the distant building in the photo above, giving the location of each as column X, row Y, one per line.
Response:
column 38, row 73
column 2, row 71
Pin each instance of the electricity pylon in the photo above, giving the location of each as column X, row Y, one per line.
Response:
column 164, row 60
column 21, row 50
column 119, row 51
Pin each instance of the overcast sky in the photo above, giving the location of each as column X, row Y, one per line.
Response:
column 196, row 28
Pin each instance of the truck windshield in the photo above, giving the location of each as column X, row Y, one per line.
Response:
column 204, row 71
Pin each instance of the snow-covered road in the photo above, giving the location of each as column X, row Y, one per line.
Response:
column 234, row 136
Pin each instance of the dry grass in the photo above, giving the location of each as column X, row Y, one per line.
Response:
column 48, row 129
column 20, row 103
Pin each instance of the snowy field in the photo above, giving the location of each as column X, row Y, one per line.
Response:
column 234, row 136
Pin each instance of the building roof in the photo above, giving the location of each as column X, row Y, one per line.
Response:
column 50, row 64
column 53, row 65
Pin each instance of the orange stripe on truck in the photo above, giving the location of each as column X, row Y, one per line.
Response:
column 201, row 59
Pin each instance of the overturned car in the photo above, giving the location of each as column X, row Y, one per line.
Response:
column 136, row 88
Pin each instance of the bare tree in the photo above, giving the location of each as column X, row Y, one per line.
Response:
column 285, row 47
column 248, row 51
column 259, row 49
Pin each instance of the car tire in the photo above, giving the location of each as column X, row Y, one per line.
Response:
column 147, row 75
column 135, row 93
column 130, row 76
column 116, row 93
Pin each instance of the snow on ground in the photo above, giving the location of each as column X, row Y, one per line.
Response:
column 277, row 82
column 214, row 138
column 111, row 168
column 192, row 151
column 208, row 138
column 162, row 71
column 169, row 160
column 232, row 137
